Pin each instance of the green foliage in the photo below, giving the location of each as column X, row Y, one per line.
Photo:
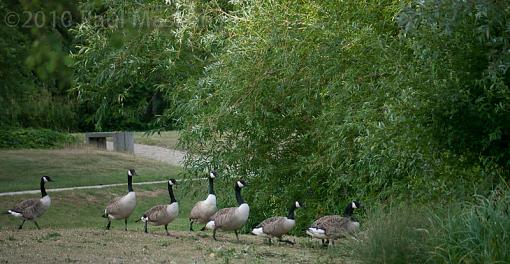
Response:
column 479, row 234
column 394, row 235
column 34, row 66
column 363, row 100
column 34, row 138
column 463, row 48
column 466, row 232
column 133, row 56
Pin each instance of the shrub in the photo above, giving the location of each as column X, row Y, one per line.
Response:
column 478, row 234
column 460, row 232
column 349, row 103
column 34, row 138
column 394, row 235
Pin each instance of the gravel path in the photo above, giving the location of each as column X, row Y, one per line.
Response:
column 171, row 156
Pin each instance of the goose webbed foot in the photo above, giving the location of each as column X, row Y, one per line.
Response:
column 108, row 225
column 286, row 241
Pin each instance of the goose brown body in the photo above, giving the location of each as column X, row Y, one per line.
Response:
column 203, row 210
column 31, row 209
column 122, row 207
column 331, row 227
column 232, row 218
column 162, row 214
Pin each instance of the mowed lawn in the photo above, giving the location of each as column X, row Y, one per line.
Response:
column 83, row 208
column 165, row 139
column 22, row 169
column 72, row 230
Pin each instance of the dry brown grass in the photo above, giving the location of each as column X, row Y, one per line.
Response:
column 99, row 246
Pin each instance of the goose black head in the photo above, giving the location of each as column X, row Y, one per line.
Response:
column 349, row 209
column 132, row 172
column 172, row 182
column 240, row 184
column 213, row 174
column 356, row 205
column 46, row 178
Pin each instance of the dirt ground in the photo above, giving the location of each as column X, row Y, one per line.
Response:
column 116, row 246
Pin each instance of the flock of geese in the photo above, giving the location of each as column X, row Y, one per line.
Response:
column 327, row 228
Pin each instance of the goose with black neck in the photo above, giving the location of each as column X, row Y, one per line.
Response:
column 278, row 226
column 33, row 208
column 203, row 210
column 331, row 227
column 233, row 218
column 122, row 207
column 162, row 214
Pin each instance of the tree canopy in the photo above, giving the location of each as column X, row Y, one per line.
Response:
column 377, row 100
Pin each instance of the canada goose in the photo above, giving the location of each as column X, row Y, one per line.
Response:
column 232, row 218
column 203, row 210
column 335, row 226
column 162, row 214
column 33, row 208
column 122, row 207
column 277, row 226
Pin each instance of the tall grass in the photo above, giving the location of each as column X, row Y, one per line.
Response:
column 393, row 235
column 477, row 231
column 478, row 234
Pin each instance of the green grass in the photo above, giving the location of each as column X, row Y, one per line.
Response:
column 83, row 208
column 73, row 229
column 478, row 233
column 22, row 169
column 393, row 235
column 458, row 232
column 166, row 139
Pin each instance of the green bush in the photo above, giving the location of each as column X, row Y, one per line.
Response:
column 394, row 235
column 369, row 100
column 34, row 67
column 458, row 232
column 478, row 234
column 34, row 138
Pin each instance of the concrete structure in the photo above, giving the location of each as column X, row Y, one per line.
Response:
column 122, row 141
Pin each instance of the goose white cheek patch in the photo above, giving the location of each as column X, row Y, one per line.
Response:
column 354, row 205
column 212, row 175
column 240, row 184
column 129, row 173
column 45, row 179
column 298, row 205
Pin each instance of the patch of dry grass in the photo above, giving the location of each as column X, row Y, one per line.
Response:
column 100, row 246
